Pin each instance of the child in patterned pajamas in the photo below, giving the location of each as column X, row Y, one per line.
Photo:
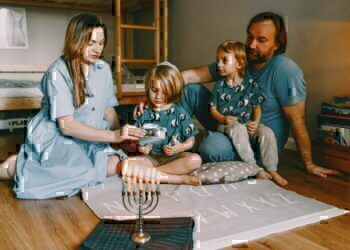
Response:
column 236, row 104
column 164, row 86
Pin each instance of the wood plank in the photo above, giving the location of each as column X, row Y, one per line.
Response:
column 118, row 32
column 165, row 30
column 138, row 27
column 139, row 60
column 18, row 103
column 61, row 5
column 65, row 223
column 132, row 99
column 157, row 33
column 332, row 156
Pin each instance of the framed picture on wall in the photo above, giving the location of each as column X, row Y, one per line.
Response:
column 13, row 28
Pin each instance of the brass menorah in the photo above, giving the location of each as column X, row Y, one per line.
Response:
column 140, row 199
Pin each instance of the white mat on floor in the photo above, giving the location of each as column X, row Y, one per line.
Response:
column 224, row 214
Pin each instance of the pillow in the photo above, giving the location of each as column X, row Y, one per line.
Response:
column 225, row 172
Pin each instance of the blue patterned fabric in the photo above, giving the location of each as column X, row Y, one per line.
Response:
column 175, row 120
column 236, row 100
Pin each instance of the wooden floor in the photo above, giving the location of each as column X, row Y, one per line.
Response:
column 65, row 223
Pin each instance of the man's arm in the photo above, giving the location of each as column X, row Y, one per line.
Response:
column 296, row 116
column 197, row 75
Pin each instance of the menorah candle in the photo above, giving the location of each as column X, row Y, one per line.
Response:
column 148, row 175
column 141, row 180
column 135, row 173
column 124, row 168
column 158, row 178
column 153, row 185
column 128, row 183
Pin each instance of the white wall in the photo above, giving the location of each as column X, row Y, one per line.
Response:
column 46, row 31
column 318, row 38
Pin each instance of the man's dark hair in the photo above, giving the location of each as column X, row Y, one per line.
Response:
column 281, row 32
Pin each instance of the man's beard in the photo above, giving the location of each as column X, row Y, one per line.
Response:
column 255, row 58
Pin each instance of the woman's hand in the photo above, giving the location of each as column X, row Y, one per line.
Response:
column 252, row 127
column 230, row 120
column 128, row 132
column 145, row 150
column 175, row 149
column 139, row 108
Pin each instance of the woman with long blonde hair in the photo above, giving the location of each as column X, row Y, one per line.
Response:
column 67, row 143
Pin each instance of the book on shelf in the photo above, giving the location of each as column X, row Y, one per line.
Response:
column 328, row 108
column 333, row 129
column 333, row 120
column 334, row 135
column 337, row 106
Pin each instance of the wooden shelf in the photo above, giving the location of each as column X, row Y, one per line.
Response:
column 139, row 61
column 140, row 27
column 331, row 156
column 19, row 103
column 124, row 11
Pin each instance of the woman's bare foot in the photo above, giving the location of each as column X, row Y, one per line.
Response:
column 279, row 180
column 8, row 168
column 263, row 175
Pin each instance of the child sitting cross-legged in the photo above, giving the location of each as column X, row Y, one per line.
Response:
column 169, row 130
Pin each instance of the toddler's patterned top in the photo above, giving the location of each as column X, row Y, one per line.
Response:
column 175, row 120
column 237, row 100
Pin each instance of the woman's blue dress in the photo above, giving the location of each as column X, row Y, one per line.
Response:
column 51, row 164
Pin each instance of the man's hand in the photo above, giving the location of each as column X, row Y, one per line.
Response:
column 320, row 171
column 230, row 120
column 252, row 127
column 145, row 150
column 172, row 150
column 139, row 108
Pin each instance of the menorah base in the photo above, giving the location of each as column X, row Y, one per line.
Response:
column 141, row 238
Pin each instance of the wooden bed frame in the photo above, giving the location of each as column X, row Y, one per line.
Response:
column 21, row 103
column 27, row 103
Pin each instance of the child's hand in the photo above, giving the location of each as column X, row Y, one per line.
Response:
column 146, row 150
column 172, row 150
column 230, row 120
column 252, row 127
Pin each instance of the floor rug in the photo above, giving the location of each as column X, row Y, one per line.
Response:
column 224, row 214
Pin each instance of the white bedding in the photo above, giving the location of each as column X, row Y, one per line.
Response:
column 20, row 85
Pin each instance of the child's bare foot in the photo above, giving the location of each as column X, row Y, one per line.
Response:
column 279, row 180
column 263, row 175
column 8, row 168
column 190, row 180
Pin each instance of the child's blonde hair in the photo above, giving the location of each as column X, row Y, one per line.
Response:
column 171, row 82
column 238, row 49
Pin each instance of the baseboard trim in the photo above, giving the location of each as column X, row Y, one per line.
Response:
column 291, row 145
